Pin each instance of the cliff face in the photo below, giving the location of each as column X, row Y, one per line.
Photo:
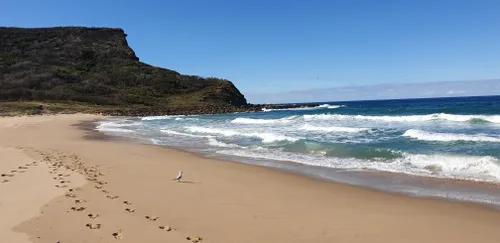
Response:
column 96, row 65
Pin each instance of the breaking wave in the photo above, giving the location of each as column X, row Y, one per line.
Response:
column 476, row 168
column 324, row 106
column 241, row 120
column 184, row 134
column 152, row 118
column 448, row 137
column 308, row 127
column 410, row 118
column 265, row 137
column 327, row 106
column 116, row 127
column 217, row 143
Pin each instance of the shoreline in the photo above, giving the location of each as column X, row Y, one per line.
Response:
column 384, row 181
column 276, row 207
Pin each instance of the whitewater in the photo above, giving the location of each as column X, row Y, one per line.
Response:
column 448, row 138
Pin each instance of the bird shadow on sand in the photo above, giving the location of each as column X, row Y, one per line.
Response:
column 189, row 182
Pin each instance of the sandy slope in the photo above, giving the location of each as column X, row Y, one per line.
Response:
column 219, row 201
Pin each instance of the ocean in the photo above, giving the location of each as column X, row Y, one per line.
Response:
column 440, row 147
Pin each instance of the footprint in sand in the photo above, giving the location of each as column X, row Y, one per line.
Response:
column 165, row 227
column 6, row 175
column 152, row 218
column 127, row 202
column 93, row 226
column 130, row 210
column 195, row 239
column 78, row 208
column 21, row 171
column 5, row 181
column 118, row 235
column 71, row 195
column 112, row 197
column 98, row 187
column 92, row 216
column 22, row 167
column 13, row 171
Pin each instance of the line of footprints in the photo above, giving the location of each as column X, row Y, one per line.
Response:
column 6, row 177
column 93, row 175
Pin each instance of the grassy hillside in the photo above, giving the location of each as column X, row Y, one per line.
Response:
column 95, row 67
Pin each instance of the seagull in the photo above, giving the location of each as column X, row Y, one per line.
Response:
column 179, row 177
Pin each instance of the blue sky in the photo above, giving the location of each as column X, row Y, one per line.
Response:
column 382, row 92
column 281, row 46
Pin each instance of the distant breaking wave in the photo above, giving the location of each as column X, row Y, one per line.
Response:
column 410, row 118
column 324, row 106
column 327, row 106
column 241, row 120
column 152, row 118
column 308, row 127
column 448, row 137
column 265, row 137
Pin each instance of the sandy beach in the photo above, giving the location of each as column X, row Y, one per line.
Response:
column 59, row 185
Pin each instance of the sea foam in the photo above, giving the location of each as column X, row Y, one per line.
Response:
column 410, row 118
column 327, row 106
column 242, row 120
column 485, row 168
column 116, row 127
column 184, row 134
column 217, row 143
column 152, row 118
column 476, row 168
column 312, row 128
column 448, row 137
column 324, row 106
column 265, row 137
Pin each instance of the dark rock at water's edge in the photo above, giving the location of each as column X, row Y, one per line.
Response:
column 203, row 110
column 208, row 110
column 95, row 66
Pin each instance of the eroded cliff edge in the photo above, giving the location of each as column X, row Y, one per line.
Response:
column 96, row 69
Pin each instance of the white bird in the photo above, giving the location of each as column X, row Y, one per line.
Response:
column 179, row 177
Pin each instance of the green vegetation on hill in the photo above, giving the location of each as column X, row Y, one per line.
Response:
column 96, row 67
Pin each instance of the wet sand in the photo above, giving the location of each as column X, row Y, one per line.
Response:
column 128, row 193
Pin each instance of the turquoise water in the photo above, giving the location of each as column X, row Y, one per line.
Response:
column 456, row 138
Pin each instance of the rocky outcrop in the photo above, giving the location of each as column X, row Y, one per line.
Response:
column 96, row 66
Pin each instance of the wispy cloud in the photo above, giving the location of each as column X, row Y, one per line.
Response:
column 455, row 92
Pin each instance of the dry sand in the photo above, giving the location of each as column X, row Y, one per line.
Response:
column 219, row 201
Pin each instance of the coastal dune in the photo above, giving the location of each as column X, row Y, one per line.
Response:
column 123, row 190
